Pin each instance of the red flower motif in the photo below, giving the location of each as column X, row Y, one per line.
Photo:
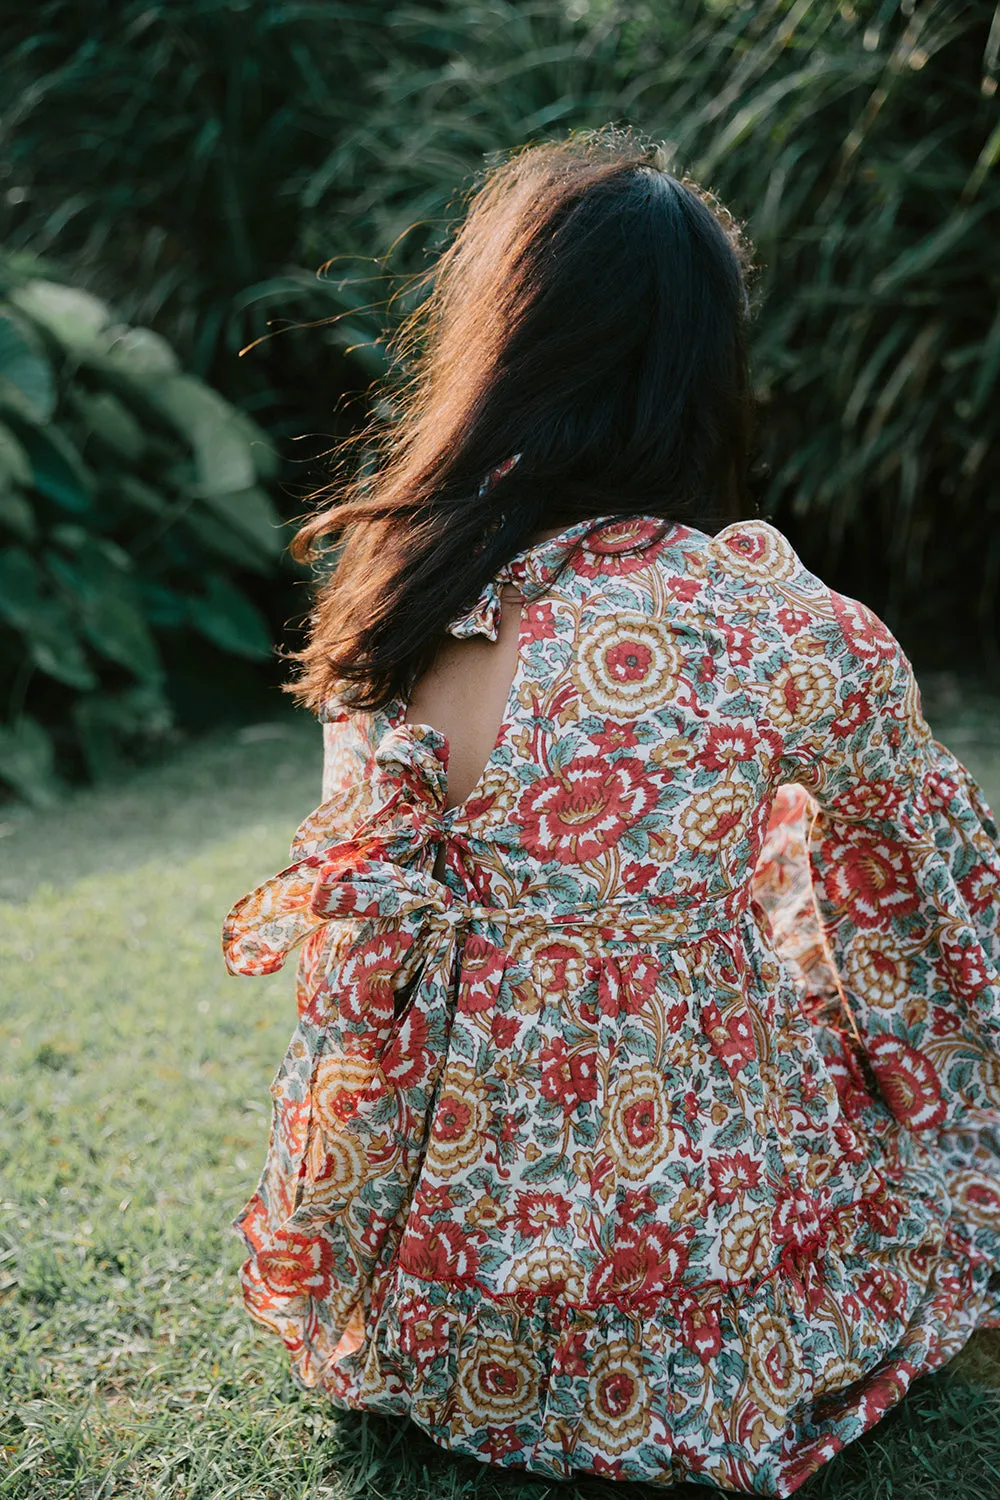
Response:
column 794, row 1220
column 686, row 589
column 908, row 1080
column 883, row 1290
column 575, row 816
column 793, row 620
column 869, row 877
column 569, row 1357
column 296, row 1265
column 438, row 1252
column 432, row 1199
column 636, row 1205
column 503, row 1030
column 979, row 889
column 732, row 1175
column 732, row 1038
column 406, row 1059
column 740, row 642
column 699, row 1330
column 538, row 1213
column 567, row 1078
column 637, row 878
column 423, row 1330
column 499, row 1442
column 628, row 661
column 645, row 1264
column 966, row 967
column 367, row 974
column 615, row 737
column 538, row 621
column 625, row 985
column 885, row 1390
column 855, row 710
column 676, row 1015
column 726, row 745
column 482, row 972
column 866, row 636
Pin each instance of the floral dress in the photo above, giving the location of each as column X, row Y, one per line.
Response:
column 660, row 1137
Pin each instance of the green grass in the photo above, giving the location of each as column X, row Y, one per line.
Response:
column 133, row 1090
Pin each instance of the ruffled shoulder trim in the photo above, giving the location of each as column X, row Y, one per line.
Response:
column 534, row 568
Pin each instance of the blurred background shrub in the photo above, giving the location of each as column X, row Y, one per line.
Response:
column 200, row 161
column 133, row 513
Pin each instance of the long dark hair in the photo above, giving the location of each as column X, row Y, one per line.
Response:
column 589, row 316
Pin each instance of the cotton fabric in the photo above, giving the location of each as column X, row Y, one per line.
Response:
column 659, row 1139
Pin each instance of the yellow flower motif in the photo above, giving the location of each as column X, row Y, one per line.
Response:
column 801, row 693
column 627, row 665
column 878, row 971
column 639, row 1133
column 485, row 1213
column 839, row 1370
column 497, row 1381
column 717, row 818
column 337, row 1168
column 547, row 1270
column 745, row 1243
column 338, row 1084
column 754, row 550
column 617, row 1410
column 460, row 1121
column 775, row 1378
column 675, row 751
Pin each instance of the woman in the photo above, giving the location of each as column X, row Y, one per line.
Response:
column 642, row 1112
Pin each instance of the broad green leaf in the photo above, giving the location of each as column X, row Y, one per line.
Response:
column 17, row 515
column 15, row 466
column 50, row 640
column 57, row 470
column 225, row 541
column 27, row 386
column 103, row 593
column 140, row 351
column 105, row 720
column 59, row 654
column 265, row 458
column 27, row 761
column 20, row 587
column 73, row 317
column 142, row 495
column 228, row 618
column 163, row 606
column 252, row 513
column 219, row 439
column 111, row 422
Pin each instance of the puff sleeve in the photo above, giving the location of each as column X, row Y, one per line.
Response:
column 904, row 856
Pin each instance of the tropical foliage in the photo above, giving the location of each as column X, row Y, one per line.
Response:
column 198, row 161
column 131, row 510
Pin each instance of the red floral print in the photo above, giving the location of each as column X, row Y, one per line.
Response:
column 687, row 1065
column 909, row 1082
column 567, row 1077
column 576, row 816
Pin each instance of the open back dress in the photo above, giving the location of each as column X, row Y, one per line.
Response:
column 660, row 1137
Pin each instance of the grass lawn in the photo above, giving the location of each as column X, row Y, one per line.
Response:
column 134, row 1107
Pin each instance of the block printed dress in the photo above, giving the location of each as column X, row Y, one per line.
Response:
column 660, row 1138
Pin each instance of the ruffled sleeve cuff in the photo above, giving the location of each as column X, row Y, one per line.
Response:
column 909, row 902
